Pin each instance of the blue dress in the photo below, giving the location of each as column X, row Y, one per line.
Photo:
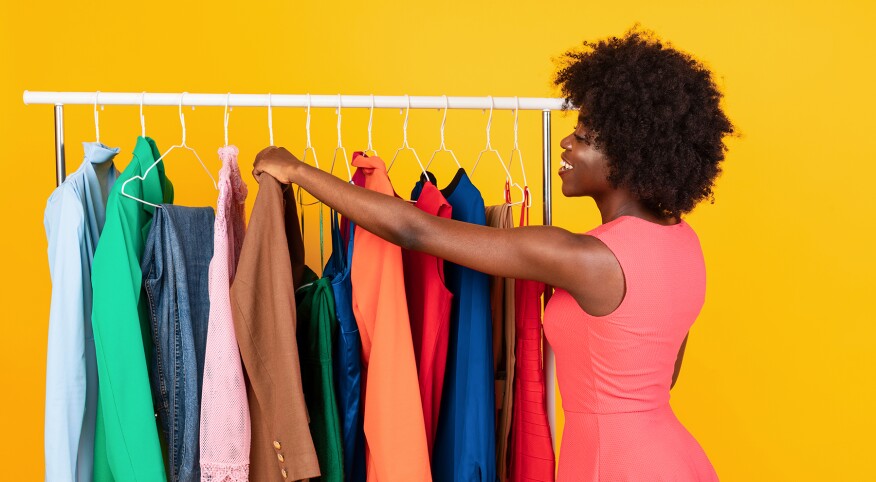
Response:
column 348, row 357
column 465, row 444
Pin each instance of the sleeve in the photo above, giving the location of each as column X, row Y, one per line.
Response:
column 132, row 448
column 65, row 358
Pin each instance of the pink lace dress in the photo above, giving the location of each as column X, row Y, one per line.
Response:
column 225, row 423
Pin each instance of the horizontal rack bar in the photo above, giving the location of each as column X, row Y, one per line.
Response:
column 294, row 100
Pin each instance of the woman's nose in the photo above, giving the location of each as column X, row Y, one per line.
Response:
column 566, row 142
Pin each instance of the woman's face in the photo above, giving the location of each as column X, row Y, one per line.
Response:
column 584, row 168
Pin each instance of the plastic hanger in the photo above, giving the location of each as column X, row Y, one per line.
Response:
column 442, row 147
column 405, row 145
column 340, row 147
column 526, row 193
column 181, row 145
column 370, row 122
column 489, row 148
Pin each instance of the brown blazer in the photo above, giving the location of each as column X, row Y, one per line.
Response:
column 263, row 308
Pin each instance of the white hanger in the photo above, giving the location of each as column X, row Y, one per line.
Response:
column 489, row 148
column 182, row 145
column 442, row 147
column 96, row 121
column 226, row 116
column 308, row 147
column 142, row 118
column 370, row 122
column 270, row 122
column 519, row 155
column 405, row 144
column 340, row 147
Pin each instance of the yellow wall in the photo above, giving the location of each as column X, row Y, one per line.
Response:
column 778, row 382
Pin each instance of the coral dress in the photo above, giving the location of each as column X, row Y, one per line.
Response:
column 614, row 371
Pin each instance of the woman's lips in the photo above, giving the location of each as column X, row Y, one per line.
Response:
column 565, row 166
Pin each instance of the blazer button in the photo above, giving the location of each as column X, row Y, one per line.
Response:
column 280, row 458
column 283, row 471
column 277, row 445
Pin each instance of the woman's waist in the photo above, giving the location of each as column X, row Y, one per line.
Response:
column 618, row 407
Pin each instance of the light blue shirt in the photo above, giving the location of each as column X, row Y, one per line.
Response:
column 74, row 218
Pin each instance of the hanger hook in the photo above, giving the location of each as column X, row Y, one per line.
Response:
column 96, row 121
column 370, row 124
column 516, row 115
column 226, row 115
column 307, row 124
column 517, row 147
column 142, row 117
column 338, row 112
column 405, row 125
column 270, row 121
column 490, row 123
column 444, row 121
column 182, row 119
column 340, row 147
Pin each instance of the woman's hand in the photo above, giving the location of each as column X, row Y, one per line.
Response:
column 276, row 161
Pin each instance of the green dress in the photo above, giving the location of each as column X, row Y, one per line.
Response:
column 126, row 445
column 317, row 331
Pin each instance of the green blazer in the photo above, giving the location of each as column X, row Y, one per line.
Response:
column 126, row 446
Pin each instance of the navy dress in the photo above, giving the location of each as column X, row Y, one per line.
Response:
column 348, row 357
column 465, row 444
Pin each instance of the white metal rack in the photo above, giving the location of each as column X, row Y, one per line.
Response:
column 546, row 105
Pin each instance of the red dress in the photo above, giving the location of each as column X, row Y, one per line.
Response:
column 429, row 303
column 532, row 449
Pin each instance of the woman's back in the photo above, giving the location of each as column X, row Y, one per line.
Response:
column 615, row 371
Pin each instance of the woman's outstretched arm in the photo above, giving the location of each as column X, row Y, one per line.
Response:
column 542, row 253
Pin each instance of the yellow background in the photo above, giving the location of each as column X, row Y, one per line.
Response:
column 778, row 381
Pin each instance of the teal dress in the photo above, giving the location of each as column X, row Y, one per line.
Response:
column 316, row 332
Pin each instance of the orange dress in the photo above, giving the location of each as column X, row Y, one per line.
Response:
column 395, row 433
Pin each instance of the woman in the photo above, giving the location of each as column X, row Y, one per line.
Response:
column 647, row 148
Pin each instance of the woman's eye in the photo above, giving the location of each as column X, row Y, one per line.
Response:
column 581, row 139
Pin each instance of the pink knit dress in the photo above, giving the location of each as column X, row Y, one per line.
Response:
column 225, row 424
column 614, row 371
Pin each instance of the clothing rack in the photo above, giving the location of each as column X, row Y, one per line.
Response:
column 544, row 104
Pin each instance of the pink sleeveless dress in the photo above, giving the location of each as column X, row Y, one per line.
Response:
column 614, row 371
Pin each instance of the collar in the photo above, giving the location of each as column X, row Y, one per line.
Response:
column 97, row 153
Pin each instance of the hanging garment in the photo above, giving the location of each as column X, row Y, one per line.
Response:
column 126, row 445
column 614, row 371
column 263, row 309
column 429, row 303
column 74, row 218
column 502, row 309
column 225, row 427
column 465, row 443
column 347, row 354
column 317, row 332
column 395, row 433
column 532, row 448
column 175, row 268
